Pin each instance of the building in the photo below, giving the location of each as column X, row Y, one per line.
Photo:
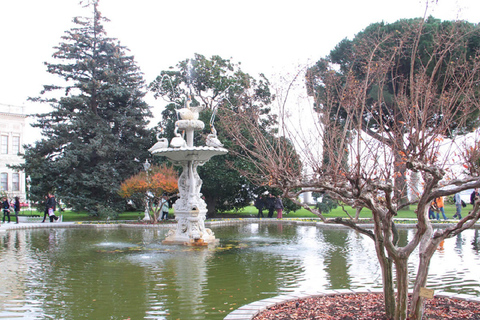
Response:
column 12, row 128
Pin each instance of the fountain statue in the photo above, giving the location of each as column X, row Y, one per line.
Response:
column 190, row 209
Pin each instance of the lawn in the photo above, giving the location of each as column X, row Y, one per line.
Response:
column 252, row 212
column 365, row 213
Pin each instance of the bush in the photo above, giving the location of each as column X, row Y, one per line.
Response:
column 327, row 204
column 106, row 213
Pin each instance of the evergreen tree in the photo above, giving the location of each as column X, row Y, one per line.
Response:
column 96, row 128
column 439, row 46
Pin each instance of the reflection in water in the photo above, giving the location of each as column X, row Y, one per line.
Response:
column 336, row 264
column 128, row 273
column 476, row 241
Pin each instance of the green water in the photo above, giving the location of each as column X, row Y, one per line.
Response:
column 126, row 273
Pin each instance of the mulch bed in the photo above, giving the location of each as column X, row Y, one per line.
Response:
column 364, row 306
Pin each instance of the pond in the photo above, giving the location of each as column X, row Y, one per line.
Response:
column 127, row 273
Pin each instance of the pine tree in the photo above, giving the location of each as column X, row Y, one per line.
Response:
column 97, row 127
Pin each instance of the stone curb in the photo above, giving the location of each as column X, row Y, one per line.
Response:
column 249, row 311
column 230, row 221
column 316, row 222
column 209, row 223
column 39, row 225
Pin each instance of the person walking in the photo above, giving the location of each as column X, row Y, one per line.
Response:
column 16, row 207
column 164, row 204
column 51, row 207
column 6, row 209
column 45, row 212
column 259, row 203
column 441, row 208
column 279, row 207
column 458, row 205
column 271, row 205
column 473, row 196
column 433, row 208
column 431, row 211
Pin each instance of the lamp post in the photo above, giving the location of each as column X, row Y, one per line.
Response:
column 146, row 166
column 29, row 181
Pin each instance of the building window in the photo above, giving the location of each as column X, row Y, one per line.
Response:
column 16, row 182
column 4, row 143
column 4, row 181
column 16, row 144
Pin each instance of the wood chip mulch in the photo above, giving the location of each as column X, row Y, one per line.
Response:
column 364, row 306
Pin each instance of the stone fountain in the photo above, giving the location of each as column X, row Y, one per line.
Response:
column 190, row 209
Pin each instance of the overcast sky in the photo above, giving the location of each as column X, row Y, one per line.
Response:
column 270, row 37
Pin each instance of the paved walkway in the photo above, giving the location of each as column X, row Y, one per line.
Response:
column 29, row 225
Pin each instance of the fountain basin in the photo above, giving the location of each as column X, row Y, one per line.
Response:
column 201, row 154
column 124, row 271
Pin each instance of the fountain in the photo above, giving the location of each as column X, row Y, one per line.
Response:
column 190, row 209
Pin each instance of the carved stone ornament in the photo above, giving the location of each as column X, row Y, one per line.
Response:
column 190, row 209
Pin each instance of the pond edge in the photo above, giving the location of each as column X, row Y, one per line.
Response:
column 249, row 311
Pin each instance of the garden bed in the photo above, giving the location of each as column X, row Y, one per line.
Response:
column 363, row 307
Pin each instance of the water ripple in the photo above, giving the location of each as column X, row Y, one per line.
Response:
column 120, row 274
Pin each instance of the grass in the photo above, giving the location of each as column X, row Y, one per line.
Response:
column 71, row 216
column 252, row 211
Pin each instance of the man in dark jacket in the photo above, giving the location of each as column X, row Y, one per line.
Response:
column 473, row 196
column 6, row 209
column 259, row 203
column 51, row 206
column 271, row 205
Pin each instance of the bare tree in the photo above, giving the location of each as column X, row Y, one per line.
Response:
column 335, row 154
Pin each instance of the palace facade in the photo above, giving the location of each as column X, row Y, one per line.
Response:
column 12, row 128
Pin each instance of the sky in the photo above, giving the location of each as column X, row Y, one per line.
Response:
column 274, row 37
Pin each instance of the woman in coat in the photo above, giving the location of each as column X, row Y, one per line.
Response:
column 16, row 207
column 279, row 207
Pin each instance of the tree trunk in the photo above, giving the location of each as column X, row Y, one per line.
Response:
column 387, row 279
column 385, row 265
column 414, row 185
column 400, row 187
column 211, row 206
column 401, row 266
column 425, row 255
column 388, row 289
column 357, row 214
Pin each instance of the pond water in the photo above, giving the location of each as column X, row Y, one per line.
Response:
column 127, row 273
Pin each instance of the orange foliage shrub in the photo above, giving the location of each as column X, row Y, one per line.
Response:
column 160, row 179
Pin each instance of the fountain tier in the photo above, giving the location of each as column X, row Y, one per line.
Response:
column 190, row 209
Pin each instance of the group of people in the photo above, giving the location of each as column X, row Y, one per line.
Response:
column 438, row 206
column 9, row 207
column 50, row 207
column 270, row 203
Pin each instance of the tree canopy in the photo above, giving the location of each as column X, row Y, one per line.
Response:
column 212, row 83
column 375, row 124
column 426, row 81
column 158, row 181
column 97, row 126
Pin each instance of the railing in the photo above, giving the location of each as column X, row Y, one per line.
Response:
column 29, row 219
column 7, row 108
